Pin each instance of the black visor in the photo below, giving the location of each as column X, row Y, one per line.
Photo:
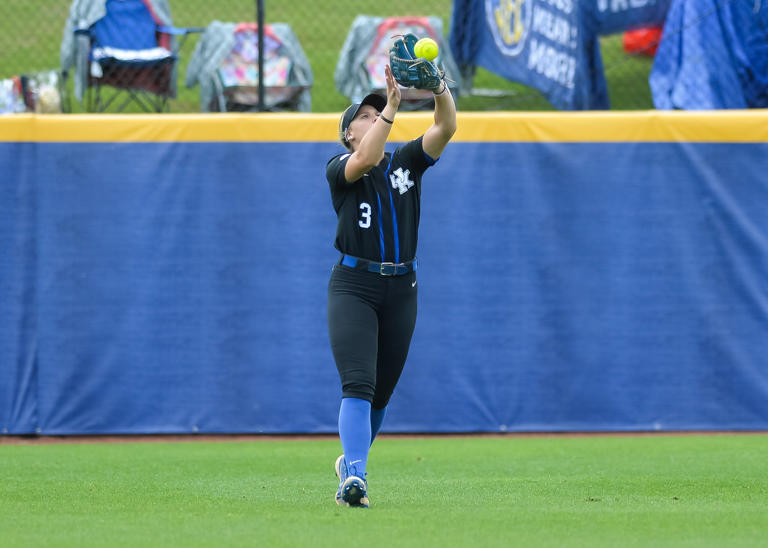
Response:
column 376, row 101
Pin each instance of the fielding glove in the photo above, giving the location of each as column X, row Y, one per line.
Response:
column 410, row 71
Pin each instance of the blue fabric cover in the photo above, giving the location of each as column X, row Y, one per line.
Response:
column 713, row 55
column 180, row 287
column 128, row 25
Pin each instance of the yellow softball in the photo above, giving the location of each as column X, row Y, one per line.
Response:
column 426, row 48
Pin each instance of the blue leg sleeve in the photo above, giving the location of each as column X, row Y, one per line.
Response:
column 377, row 418
column 355, row 433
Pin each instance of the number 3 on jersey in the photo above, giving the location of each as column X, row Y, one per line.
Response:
column 365, row 221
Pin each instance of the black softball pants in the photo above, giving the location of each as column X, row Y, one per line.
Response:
column 370, row 321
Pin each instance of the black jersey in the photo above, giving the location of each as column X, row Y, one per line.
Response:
column 378, row 215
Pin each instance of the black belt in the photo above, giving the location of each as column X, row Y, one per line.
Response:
column 385, row 269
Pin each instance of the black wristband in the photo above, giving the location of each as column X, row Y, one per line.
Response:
column 387, row 120
column 445, row 88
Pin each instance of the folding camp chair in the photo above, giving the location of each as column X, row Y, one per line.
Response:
column 365, row 53
column 128, row 54
column 226, row 65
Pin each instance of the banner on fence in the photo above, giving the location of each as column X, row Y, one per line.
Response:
column 549, row 45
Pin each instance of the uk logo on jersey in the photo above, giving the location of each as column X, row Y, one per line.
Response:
column 401, row 180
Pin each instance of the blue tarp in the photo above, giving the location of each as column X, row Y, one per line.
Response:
column 713, row 55
column 180, row 287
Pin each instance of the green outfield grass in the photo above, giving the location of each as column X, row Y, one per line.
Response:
column 593, row 491
column 32, row 33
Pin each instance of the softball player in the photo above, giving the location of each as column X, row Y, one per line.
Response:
column 372, row 290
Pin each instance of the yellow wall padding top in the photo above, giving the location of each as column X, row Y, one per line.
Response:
column 635, row 126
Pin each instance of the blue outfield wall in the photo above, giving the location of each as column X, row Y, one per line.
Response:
column 179, row 286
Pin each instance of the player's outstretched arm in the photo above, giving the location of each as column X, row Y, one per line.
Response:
column 444, row 126
column 370, row 151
